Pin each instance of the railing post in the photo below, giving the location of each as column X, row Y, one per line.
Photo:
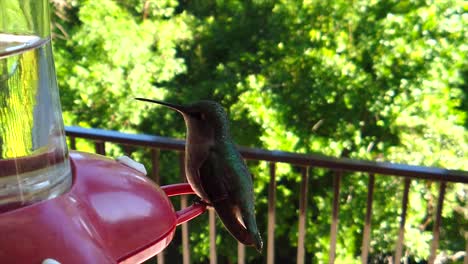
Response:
column 100, row 147
column 240, row 253
column 367, row 224
column 438, row 219
column 127, row 150
column 183, row 204
column 465, row 261
column 271, row 215
column 212, row 226
column 72, row 143
column 334, row 223
column 155, row 166
column 241, row 248
column 302, row 216
column 401, row 232
column 157, row 180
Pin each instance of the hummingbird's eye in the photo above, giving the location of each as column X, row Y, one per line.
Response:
column 199, row 116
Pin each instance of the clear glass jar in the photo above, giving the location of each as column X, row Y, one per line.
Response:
column 34, row 162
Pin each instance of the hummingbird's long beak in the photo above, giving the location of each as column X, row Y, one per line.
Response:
column 179, row 108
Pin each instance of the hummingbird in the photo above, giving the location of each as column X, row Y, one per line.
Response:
column 215, row 169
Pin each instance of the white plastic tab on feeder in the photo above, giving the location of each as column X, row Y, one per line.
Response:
column 132, row 164
column 50, row 261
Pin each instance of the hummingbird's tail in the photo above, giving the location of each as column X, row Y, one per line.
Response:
column 258, row 242
column 251, row 225
column 247, row 235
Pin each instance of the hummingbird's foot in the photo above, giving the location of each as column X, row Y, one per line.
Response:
column 199, row 200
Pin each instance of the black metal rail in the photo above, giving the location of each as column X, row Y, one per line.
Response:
column 156, row 143
column 313, row 160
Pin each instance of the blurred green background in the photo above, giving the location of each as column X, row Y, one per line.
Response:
column 376, row 80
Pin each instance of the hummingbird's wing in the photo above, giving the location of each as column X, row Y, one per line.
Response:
column 217, row 181
column 194, row 160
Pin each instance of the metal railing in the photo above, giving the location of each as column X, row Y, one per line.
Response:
column 409, row 172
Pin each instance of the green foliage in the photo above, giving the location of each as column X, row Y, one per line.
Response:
column 378, row 80
column 108, row 55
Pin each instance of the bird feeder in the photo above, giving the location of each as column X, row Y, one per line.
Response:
column 58, row 206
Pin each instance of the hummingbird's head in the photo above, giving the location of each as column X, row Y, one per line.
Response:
column 204, row 118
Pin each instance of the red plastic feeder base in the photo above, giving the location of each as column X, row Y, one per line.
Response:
column 112, row 214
